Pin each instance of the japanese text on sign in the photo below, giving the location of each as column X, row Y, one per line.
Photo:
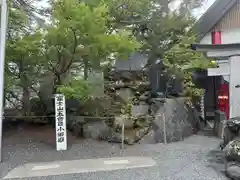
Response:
column 60, row 119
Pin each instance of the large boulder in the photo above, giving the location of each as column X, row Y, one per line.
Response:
column 135, row 135
column 144, row 97
column 232, row 150
column 96, row 107
column 75, row 123
column 121, row 120
column 140, row 110
column 99, row 129
column 96, row 130
column 233, row 170
column 232, row 159
column 230, row 129
column 124, row 94
column 180, row 121
column 131, row 136
column 73, row 105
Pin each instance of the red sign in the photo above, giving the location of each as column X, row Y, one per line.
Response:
column 223, row 99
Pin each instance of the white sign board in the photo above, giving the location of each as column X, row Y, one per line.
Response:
column 221, row 71
column 60, row 120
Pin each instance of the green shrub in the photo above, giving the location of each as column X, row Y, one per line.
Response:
column 75, row 89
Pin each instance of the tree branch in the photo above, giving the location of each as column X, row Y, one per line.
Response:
column 73, row 52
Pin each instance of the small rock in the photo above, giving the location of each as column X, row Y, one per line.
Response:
column 148, row 138
column 77, row 130
column 140, row 133
column 79, row 119
column 140, row 110
column 115, row 137
column 131, row 136
column 144, row 96
column 96, row 130
column 123, row 119
column 125, row 94
column 142, row 122
column 72, row 120
column 142, row 103
column 233, row 170
column 129, row 141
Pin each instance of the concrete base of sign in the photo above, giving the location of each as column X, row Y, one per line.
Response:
column 78, row 166
column 219, row 123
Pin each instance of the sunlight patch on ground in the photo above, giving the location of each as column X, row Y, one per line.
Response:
column 79, row 166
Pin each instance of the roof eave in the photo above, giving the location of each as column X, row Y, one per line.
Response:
column 207, row 21
column 202, row 47
column 218, row 50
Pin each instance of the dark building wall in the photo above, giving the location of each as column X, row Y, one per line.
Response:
column 211, row 84
column 157, row 78
column 160, row 82
column 210, row 99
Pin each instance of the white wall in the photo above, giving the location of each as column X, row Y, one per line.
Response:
column 228, row 36
column 206, row 39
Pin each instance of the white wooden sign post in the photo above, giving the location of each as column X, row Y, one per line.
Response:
column 3, row 4
column 60, row 122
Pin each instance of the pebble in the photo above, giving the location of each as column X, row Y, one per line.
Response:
column 191, row 159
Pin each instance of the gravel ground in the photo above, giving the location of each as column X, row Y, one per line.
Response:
column 195, row 158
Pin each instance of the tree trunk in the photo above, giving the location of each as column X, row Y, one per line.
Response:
column 85, row 69
column 26, row 101
column 25, row 87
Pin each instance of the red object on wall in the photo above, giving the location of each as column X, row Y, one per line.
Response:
column 223, row 99
column 223, row 92
column 216, row 37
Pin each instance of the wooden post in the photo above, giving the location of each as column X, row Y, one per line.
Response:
column 123, row 129
column 164, row 129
